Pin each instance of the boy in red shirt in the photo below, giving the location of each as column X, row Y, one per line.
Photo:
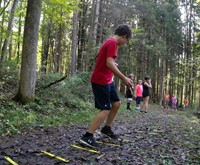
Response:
column 106, row 98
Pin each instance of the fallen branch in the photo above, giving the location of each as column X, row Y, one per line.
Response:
column 55, row 82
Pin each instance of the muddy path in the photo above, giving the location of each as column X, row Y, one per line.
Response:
column 158, row 137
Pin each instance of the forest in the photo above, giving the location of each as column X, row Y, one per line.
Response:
column 67, row 35
column 48, row 50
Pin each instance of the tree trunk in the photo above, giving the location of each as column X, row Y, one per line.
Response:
column 19, row 35
column 27, row 81
column 199, row 99
column 162, row 81
column 2, row 27
column 45, row 46
column 96, row 22
column 82, row 36
column 58, row 53
column 9, row 29
column 10, row 50
column 74, row 43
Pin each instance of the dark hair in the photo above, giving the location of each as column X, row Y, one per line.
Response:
column 146, row 78
column 122, row 30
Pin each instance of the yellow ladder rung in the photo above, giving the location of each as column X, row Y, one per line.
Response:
column 54, row 156
column 10, row 160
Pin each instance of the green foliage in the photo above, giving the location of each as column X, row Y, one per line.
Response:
column 45, row 79
column 69, row 101
column 68, row 93
column 10, row 115
column 8, row 70
column 138, row 34
column 21, row 10
column 65, row 91
column 54, row 8
column 8, row 78
column 192, row 65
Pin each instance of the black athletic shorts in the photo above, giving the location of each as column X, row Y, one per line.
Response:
column 145, row 95
column 104, row 95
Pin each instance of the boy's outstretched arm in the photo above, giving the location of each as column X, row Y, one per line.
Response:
column 110, row 62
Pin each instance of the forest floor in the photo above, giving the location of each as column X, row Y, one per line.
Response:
column 157, row 137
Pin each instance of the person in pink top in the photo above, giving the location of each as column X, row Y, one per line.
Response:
column 138, row 94
column 105, row 94
column 174, row 102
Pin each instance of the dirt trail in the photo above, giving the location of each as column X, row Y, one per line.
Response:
column 158, row 137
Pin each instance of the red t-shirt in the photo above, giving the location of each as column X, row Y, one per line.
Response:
column 139, row 90
column 102, row 74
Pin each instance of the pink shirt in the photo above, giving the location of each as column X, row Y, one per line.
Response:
column 102, row 74
column 174, row 100
column 139, row 90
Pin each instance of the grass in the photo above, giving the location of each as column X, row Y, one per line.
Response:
column 17, row 119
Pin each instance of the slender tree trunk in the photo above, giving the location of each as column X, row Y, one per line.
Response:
column 181, row 88
column 51, row 59
column 27, row 81
column 74, row 43
column 171, row 80
column 19, row 35
column 96, row 22
column 58, row 53
column 82, row 36
column 199, row 96
column 10, row 49
column 162, row 79
column 45, row 46
column 9, row 29
column 2, row 29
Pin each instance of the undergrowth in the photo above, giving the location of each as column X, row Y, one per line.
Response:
column 69, row 101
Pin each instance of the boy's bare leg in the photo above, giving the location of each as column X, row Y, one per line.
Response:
column 98, row 120
column 113, row 112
